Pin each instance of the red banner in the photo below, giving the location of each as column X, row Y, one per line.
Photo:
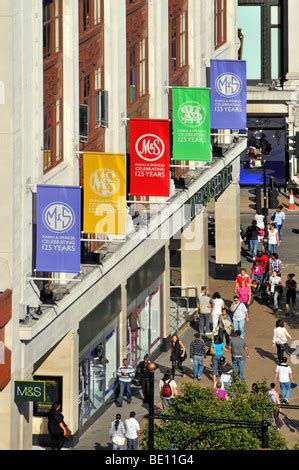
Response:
column 150, row 157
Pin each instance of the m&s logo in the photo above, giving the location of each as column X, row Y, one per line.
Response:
column 191, row 114
column 29, row 392
column 104, row 182
column 150, row 147
column 58, row 217
column 228, row 84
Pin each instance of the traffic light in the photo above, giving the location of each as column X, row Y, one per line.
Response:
column 257, row 198
column 273, row 198
column 293, row 142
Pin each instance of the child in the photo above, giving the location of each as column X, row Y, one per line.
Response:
column 257, row 271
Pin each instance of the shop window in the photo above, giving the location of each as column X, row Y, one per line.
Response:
column 220, row 26
column 262, row 25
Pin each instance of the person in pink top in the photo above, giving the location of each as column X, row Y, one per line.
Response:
column 220, row 392
column 244, row 293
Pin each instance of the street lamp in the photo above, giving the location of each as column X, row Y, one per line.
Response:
column 151, row 367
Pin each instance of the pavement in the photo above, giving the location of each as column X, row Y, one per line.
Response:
column 259, row 333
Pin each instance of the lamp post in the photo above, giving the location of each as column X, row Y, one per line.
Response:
column 151, row 366
column 265, row 203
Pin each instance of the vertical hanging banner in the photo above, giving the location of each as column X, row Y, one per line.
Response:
column 228, row 94
column 191, row 124
column 58, row 245
column 104, row 193
column 150, row 157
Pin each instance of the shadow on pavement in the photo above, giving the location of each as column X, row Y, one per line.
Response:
column 98, row 446
column 266, row 354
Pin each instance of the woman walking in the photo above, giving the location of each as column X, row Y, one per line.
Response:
column 273, row 239
column 178, row 355
column 217, row 306
column 117, row 433
column 274, row 397
column 291, row 286
column 219, row 347
column 225, row 327
column 280, row 339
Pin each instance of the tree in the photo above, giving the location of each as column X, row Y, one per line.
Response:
column 196, row 401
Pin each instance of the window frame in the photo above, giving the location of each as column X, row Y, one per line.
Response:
column 53, row 29
column 220, row 23
column 176, row 39
column 140, row 64
column 266, row 50
column 95, row 19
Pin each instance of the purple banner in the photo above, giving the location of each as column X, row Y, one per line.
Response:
column 228, row 94
column 58, row 246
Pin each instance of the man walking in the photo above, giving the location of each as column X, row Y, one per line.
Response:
column 239, row 352
column 240, row 315
column 197, row 355
column 132, row 431
column 144, row 374
column 278, row 219
column 125, row 375
column 204, row 305
column 252, row 237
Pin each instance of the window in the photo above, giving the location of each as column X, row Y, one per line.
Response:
column 58, row 131
column 178, row 42
column 52, row 24
column 142, row 68
column 264, row 27
column 47, row 137
column 97, row 90
column 220, row 27
column 52, row 135
column 133, row 74
column 90, row 14
column 86, row 14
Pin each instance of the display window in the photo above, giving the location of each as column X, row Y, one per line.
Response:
column 144, row 327
column 97, row 375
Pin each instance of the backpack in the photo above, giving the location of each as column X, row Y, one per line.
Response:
column 166, row 391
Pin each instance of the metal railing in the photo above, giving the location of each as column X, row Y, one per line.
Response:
column 180, row 313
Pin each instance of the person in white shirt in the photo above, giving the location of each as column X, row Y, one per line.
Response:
column 273, row 239
column 276, row 288
column 260, row 223
column 285, row 377
column 240, row 315
column 132, row 431
column 280, row 339
column 217, row 306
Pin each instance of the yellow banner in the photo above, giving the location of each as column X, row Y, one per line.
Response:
column 104, row 193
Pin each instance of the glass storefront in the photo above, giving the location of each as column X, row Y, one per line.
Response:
column 144, row 326
column 97, row 373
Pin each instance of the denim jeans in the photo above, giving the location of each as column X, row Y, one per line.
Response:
column 124, row 386
column 116, row 447
column 240, row 325
column 215, row 362
column 272, row 248
column 253, row 246
column 197, row 366
column 285, row 390
column 239, row 366
column 276, row 299
column 132, row 444
column 166, row 402
column 279, row 228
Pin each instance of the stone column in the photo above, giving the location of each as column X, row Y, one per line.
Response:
column 227, row 223
column 194, row 253
column 166, row 300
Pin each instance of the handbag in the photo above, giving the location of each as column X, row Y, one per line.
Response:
column 119, row 441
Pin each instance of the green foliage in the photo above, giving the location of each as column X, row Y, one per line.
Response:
column 196, row 401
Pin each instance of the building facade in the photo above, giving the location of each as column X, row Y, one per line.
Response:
column 72, row 74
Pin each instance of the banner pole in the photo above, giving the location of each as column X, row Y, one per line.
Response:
column 54, row 280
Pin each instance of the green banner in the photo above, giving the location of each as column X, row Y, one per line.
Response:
column 191, row 124
column 30, row 390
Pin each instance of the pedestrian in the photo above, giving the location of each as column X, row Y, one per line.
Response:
column 278, row 218
column 225, row 371
column 276, row 289
column 240, row 352
column 125, row 375
column 274, row 397
column 280, row 339
column 285, row 377
column 117, row 433
column 255, row 388
column 178, row 355
column 252, row 237
column 132, row 431
column 243, row 276
column 57, row 427
column 263, row 258
column 219, row 347
column 275, row 264
column 217, row 306
column 143, row 376
column 197, row 355
column 291, row 286
column 260, row 223
column 225, row 327
column 257, row 271
column 220, row 392
column 273, row 239
column 168, row 390
column 244, row 293
column 204, row 306
column 240, row 315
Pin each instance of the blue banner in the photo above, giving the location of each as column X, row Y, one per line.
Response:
column 58, row 246
column 228, row 94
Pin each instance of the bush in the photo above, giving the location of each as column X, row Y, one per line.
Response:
column 196, row 401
